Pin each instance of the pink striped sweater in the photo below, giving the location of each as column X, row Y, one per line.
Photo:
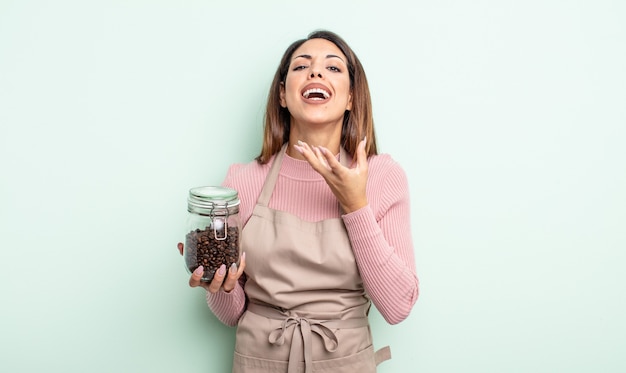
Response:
column 380, row 233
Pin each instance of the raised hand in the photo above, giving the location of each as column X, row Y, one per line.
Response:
column 348, row 184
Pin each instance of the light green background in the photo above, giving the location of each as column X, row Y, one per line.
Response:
column 509, row 118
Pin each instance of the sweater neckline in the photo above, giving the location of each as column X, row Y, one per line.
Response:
column 299, row 169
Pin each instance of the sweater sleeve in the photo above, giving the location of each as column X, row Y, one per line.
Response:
column 383, row 246
column 228, row 307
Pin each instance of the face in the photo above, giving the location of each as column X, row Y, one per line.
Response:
column 317, row 87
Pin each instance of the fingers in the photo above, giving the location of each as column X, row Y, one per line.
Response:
column 320, row 158
column 313, row 156
column 322, row 155
column 234, row 273
column 196, row 278
column 223, row 278
column 226, row 279
column 218, row 279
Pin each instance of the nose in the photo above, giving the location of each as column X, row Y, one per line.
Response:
column 313, row 74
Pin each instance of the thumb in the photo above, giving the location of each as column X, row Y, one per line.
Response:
column 361, row 156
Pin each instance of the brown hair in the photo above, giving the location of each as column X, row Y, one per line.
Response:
column 357, row 123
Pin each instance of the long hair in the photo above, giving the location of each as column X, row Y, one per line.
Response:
column 357, row 122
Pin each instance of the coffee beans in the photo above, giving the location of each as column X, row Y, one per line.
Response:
column 203, row 248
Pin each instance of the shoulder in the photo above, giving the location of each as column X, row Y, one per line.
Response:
column 245, row 173
column 247, row 179
column 387, row 184
column 383, row 167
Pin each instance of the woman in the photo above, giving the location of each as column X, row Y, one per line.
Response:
column 326, row 224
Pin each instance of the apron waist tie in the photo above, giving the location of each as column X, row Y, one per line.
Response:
column 301, row 347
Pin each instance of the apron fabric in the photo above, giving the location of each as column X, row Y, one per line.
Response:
column 307, row 309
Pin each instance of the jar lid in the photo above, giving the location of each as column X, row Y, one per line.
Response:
column 207, row 198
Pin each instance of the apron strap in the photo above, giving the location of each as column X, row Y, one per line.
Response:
column 382, row 354
column 272, row 176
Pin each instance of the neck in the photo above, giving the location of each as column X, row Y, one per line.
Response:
column 329, row 137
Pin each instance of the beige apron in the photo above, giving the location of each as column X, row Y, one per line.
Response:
column 307, row 309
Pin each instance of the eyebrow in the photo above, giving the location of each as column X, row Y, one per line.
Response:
column 308, row 57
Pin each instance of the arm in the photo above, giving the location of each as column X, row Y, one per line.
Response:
column 228, row 306
column 224, row 294
column 383, row 246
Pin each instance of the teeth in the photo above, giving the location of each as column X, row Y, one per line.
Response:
column 308, row 92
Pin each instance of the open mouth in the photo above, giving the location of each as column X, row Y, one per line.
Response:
column 316, row 94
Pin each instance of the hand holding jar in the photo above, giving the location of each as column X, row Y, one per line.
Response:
column 213, row 251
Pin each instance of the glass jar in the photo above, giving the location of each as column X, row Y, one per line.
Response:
column 214, row 228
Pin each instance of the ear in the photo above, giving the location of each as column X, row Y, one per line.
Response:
column 283, row 101
column 349, row 105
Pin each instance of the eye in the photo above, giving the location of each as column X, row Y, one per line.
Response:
column 300, row 67
column 334, row 69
